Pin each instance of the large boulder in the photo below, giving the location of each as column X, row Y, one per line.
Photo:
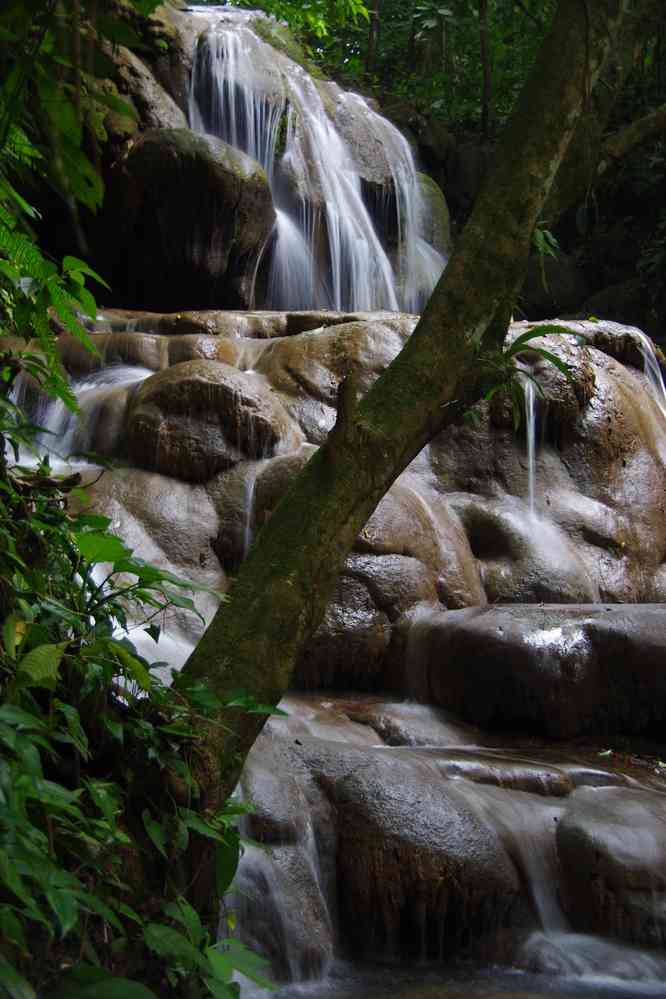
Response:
column 200, row 416
column 555, row 669
column 435, row 220
column 612, row 849
column 189, row 214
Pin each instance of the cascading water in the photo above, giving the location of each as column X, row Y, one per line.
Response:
column 652, row 369
column 530, row 431
column 327, row 252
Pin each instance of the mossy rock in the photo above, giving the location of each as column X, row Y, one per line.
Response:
column 279, row 37
column 190, row 214
column 436, row 221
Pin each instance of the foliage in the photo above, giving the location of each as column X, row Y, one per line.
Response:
column 316, row 19
column 99, row 757
column 510, row 377
column 100, row 806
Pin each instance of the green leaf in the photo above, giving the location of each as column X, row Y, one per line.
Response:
column 98, row 546
column 156, row 832
column 14, row 984
column 244, row 960
column 555, row 360
column 221, row 990
column 11, row 929
column 95, row 983
column 73, row 264
column 132, row 666
column 40, row 666
column 64, row 904
column 182, row 912
column 226, row 862
column 174, row 946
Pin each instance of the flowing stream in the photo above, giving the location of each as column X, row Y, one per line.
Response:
column 327, row 250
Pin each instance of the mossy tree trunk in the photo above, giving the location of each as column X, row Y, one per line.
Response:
column 283, row 588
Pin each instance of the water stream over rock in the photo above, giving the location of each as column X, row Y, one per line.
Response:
column 452, row 805
column 337, row 211
column 413, row 835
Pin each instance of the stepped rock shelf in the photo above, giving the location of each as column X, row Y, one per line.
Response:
column 424, row 816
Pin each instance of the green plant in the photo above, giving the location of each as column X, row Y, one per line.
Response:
column 546, row 245
column 509, row 379
column 99, row 763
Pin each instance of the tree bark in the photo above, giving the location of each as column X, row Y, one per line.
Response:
column 622, row 142
column 373, row 37
column 283, row 588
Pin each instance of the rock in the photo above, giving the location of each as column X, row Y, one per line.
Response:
column 195, row 213
column 172, row 525
column 557, row 669
column 411, row 889
column 306, row 369
column 155, row 107
column 611, row 844
column 348, row 647
column 198, row 417
column 435, row 222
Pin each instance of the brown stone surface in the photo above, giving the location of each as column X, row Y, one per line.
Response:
column 198, row 417
column 188, row 214
column 556, row 669
column 612, row 847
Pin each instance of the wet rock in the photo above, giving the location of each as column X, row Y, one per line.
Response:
column 416, row 889
column 562, row 670
column 348, row 647
column 436, row 223
column 306, row 369
column 195, row 213
column 198, row 417
column 155, row 107
column 612, row 847
column 171, row 524
column 521, row 560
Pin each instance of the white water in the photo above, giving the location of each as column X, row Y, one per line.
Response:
column 530, row 429
column 66, row 434
column 327, row 251
column 652, row 369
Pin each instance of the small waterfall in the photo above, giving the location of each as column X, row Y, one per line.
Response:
column 530, row 429
column 327, row 252
column 233, row 93
column 65, row 433
column 292, row 282
column 652, row 369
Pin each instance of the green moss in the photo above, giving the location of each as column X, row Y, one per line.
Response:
column 279, row 37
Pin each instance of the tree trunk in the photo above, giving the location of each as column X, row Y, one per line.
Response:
column 373, row 38
column 283, row 588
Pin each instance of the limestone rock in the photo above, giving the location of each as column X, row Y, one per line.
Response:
column 195, row 213
column 612, row 847
column 198, row 417
column 436, row 222
column 562, row 670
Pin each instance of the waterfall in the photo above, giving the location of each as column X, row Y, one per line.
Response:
column 652, row 369
column 530, row 429
column 327, row 251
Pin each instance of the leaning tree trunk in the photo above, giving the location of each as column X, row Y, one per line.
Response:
column 283, row 588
